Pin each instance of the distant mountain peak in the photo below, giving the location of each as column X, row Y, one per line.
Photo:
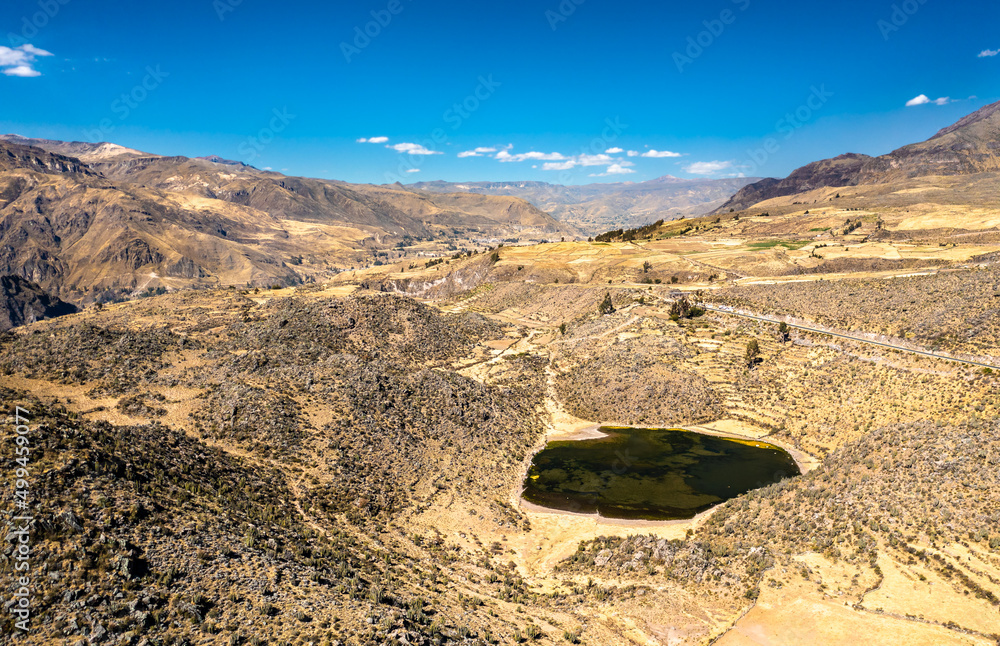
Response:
column 82, row 150
column 979, row 115
column 215, row 159
column 970, row 145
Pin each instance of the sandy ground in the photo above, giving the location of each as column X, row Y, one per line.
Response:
column 802, row 611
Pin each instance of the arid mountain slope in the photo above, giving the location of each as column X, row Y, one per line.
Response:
column 972, row 145
column 77, row 234
column 126, row 221
column 839, row 171
column 969, row 147
column 306, row 466
column 82, row 150
column 394, row 209
column 22, row 302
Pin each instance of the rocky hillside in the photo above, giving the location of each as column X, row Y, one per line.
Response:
column 972, row 145
column 82, row 150
column 968, row 147
column 398, row 211
column 24, row 302
column 15, row 156
column 839, row 171
column 124, row 222
column 218, row 470
column 80, row 235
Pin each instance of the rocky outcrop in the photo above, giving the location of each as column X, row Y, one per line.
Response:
column 25, row 302
column 14, row 156
column 133, row 254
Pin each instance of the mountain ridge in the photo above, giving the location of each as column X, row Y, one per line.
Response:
column 969, row 146
column 129, row 221
column 598, row 207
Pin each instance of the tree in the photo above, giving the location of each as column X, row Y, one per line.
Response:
column 562, row 328
column 753, row 353
column 783, row 330
column 646, row 266
column 680, row 308
column 606, row 306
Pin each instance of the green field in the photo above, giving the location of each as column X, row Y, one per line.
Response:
column 770, row 244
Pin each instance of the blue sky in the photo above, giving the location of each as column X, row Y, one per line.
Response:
column 544, row 89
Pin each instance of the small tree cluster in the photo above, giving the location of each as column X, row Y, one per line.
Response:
column 606, row 307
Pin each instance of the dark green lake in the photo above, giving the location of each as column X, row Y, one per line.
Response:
column 651, row 474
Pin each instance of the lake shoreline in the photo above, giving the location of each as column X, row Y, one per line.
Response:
column 582, row 430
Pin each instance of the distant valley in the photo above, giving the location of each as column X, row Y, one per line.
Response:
column 85, row 220
column 595, row 208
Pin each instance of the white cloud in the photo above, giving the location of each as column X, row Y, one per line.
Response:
column 19, row 61
column 413, row 170
column 505, row 156
column 986, row 53
column 374, row 140
column 923, row 99
column 478, row 152
column 633, row 153
column 413, row 149
column 569, row 163
column 595, row 160
column 559, row 161
column 707, row 168
column 614, row 169
column 24, row 71
column 659, row 154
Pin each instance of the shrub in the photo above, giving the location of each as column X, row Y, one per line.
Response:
column 606, row 306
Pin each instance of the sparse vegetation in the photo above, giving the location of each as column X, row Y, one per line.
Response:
column 606, row 307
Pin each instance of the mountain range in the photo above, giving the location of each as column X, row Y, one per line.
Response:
column 99, row 221
column 596, row 208
column 82, row 219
